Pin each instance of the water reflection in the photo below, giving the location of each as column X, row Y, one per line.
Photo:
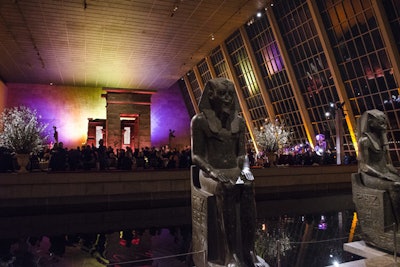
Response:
column 307, row 240
column 284, row 241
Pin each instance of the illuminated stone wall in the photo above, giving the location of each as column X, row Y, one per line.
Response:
column 122, row 103
column 68, row 108
column 3, row 95
column 168, row 111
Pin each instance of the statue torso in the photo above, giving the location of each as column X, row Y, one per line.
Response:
column 222, row 149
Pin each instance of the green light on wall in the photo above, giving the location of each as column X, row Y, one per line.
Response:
column 248, row 75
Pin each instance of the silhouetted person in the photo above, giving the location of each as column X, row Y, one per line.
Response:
column 74, row 159
column 88, row 158
column 102, row 155
column 58, row 158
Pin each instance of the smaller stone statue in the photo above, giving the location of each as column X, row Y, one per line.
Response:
column 55, row 135
column 376, row 186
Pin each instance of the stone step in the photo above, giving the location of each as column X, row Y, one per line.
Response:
column 373, row 257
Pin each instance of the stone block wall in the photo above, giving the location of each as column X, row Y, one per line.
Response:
column 129, row 103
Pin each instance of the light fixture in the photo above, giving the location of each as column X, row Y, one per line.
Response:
column 251, row 21
column 259, row 14
column 174, row 10
column 212, row 37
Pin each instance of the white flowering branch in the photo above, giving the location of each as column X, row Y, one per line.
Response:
column 21, row 130
column 272, row 136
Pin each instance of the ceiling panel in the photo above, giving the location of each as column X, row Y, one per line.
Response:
column 144, row 44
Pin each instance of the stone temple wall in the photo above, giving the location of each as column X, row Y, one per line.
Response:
column 128, row 103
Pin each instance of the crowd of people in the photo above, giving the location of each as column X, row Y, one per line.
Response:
column 296, row 156
column 87, row 157
column 102, row 158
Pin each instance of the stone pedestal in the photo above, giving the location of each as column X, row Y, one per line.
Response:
column 376, row 219
column 205, row 238
column 373, row 257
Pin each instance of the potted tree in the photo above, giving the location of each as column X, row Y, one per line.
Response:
column 272, row 136
column 22, row 132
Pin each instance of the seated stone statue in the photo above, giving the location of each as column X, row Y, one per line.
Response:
column 374, row 158
column 376, row 187
column 218, row 149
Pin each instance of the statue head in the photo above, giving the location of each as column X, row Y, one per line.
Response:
column 219, row 95
column 372, row 121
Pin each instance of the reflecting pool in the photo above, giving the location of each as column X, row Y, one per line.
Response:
column 291, row 233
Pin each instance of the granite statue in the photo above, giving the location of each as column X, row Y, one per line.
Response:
column 376, row 186
column 223, row 203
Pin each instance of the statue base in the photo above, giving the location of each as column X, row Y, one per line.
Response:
column 207, row 239
column 373, row 257
column 376, row 216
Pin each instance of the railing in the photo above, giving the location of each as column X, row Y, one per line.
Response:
column 158, row 258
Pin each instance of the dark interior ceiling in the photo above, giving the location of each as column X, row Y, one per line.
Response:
column 144, row 44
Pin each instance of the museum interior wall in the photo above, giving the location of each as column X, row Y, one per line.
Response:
column 69, row 108
column 304, row 62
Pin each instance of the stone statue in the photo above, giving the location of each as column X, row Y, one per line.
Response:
column 55, row 135
column 374, row 158
column 376, row 187
column 218, row 150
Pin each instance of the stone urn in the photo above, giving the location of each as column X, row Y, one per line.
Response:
column 272, row 158
column 23, row 161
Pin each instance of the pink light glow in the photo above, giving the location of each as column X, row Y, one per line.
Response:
column 68, row 108
column 272, row 59
column 168, row 111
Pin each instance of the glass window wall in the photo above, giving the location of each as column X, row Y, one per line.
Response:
column 247, row 80
column 195, row 86
column 363, row 60
column 273, row 72
column 310, row 67
column 204, row 71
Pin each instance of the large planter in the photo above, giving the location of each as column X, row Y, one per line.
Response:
column 23, row 161
column 272, row 158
